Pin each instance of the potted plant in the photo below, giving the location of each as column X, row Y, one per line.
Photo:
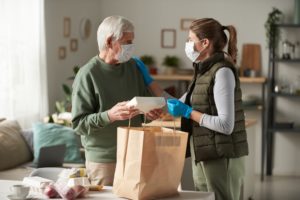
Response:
column 150, row 62
column 274, row 17
column 63, row 107
column 171, row 63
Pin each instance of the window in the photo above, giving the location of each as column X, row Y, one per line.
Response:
column 23, row 90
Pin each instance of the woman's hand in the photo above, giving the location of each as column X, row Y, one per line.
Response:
column 178, row 109
column 122, row 112
column 154, row 114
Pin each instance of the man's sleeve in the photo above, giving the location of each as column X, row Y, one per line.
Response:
column 86, row 119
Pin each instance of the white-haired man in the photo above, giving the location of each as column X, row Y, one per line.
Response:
column 100, row 92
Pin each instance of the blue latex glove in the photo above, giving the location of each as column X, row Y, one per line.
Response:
column 177, row 108
column 144, row 70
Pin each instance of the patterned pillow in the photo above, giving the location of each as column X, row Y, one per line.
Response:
column 13, row 149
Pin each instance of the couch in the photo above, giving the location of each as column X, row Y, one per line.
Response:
column 20, row 148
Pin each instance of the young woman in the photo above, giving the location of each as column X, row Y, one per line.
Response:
column 211, row 110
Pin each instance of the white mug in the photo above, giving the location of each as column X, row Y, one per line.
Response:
column 20, row 191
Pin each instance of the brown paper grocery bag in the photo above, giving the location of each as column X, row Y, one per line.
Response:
column 150, row 162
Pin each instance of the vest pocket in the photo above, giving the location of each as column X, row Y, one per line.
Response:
column 203, row 136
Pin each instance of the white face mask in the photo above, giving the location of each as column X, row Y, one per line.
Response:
column 126, row 53
column 190, row 51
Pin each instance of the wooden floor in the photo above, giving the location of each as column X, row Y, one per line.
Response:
column 277, row 188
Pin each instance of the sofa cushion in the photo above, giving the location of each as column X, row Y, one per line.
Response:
column 28, row 137
column 13, row 149
column 48, row 134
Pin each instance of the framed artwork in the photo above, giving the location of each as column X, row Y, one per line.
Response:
column 62, row 53
column 185, row 23
column 168, row 38
column 67, row 26
column 73, row 44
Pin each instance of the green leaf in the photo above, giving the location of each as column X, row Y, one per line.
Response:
column 76, row 69
column 71, row 78
column 60, row 106
column 67, row 89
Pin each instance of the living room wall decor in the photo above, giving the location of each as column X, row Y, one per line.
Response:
column 185, row 23
column 67, row 26
column 85, row 28
column 168, row 38
column 73, row 44
column 62, row 52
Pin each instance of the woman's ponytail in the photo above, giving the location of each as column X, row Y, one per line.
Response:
column 232, row 43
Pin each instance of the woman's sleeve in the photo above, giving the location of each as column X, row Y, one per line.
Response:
column 224, row 100
column 183, row 97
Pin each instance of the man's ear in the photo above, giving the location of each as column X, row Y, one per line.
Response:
column 108, row 42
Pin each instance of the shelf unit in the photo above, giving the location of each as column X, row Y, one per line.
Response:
column 272, row 96
column 260, row 107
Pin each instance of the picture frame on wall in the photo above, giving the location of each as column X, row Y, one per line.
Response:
column 168, row 38
column 62, row 52
column 67, row 26
column 73, row 44
column 185, row 23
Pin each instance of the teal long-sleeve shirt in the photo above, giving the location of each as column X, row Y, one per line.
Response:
column 96, row 89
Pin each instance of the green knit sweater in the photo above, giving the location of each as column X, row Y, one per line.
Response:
column 96, row 89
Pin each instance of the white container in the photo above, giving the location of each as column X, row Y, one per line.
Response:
column 146, row 104
column 36, row 181
column 37, row 184
column 84, row 181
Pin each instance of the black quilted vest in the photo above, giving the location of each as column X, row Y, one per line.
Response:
column 209, row 144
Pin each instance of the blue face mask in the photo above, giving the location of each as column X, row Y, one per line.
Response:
column 126, row 53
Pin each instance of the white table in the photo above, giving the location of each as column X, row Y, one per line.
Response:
column 106, row 193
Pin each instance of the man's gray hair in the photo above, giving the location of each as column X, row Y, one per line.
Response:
column 113, row 26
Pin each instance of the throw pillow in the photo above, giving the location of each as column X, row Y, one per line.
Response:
column 13, row 149
column 28, row 137
column 48, row 134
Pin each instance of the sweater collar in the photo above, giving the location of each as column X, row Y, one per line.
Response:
column 110, row 67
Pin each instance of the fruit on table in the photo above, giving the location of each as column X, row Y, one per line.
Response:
column 50, row 191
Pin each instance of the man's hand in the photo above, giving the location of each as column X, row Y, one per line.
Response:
column 178, row 109
column 122, row 112
column 154, row 114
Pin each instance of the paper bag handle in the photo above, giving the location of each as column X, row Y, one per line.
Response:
column 129, row 121
column 160, row 119
column 174, row 124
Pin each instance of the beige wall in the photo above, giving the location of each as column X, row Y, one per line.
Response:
column 149, row 18
column 59, row 70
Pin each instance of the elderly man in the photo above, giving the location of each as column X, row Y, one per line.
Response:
column 101, row 90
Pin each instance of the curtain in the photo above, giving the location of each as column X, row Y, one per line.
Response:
column 23, row 88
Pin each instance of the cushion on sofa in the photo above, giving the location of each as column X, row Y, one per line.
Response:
column 28, row 137
column 48, row 134
column 13, row 149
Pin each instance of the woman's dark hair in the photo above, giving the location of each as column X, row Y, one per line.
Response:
column 212, row 30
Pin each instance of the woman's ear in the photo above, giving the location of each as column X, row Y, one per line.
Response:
column 205, row 42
